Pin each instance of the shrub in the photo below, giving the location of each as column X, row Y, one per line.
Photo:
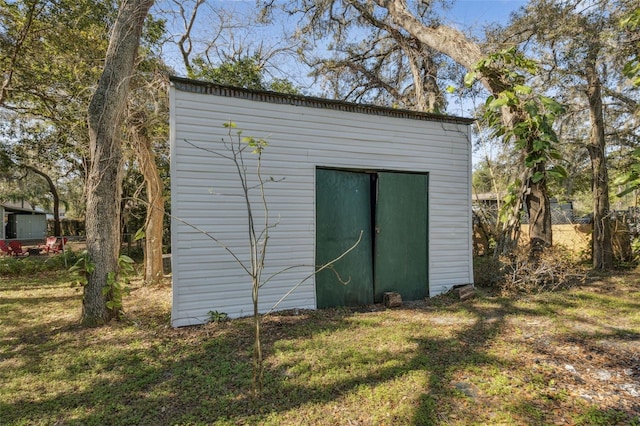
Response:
column 13, row 266
column 486, row 271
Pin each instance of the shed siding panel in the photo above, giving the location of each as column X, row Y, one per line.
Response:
column 206, row 195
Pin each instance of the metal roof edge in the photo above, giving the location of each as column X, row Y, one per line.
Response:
column 9, row 207
column 208, row 88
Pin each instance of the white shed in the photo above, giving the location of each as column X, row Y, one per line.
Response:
column 22, row 221
column 334, row 170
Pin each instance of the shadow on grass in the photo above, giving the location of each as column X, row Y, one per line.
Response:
column 133, row 374
column 201, row 380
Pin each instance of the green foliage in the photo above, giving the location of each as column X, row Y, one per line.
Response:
column 482, row 178
column 635, row 248
column 247, row 72
column 631, row 178
column 595, row 416
column 392, row 367
column 510, row 199
column 140, row 234
column 16, row 266
column 257, row 145
column 534, row 114
column 215, row 316
column 281, row 85
column 83, row 267
column 632, row 68
column 117, row 284
column 53, row 51
column 153, row 31
column 13, row 266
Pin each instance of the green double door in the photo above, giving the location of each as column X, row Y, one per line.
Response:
column 390, row 210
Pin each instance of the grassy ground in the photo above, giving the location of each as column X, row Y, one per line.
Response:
column 571, row 357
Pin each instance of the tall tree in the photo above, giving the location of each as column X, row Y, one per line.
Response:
column 17, row 23
column 50, row 53
column 227, row 49
column 147, row 131
column 578, row 45
column 105, row 117
column 406, row 17
column 602, row 245
column 629, row 180
column 247, row 72
column 375, row 62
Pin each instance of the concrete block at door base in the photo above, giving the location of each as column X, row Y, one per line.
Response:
column 465, row 292
column 392, row 299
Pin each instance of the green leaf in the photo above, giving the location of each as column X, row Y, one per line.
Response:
column 632, row 21
column 498, row 102
column 632, row 71
column 556, row 155
column 524, row 90
column 537, row 177
column 532, row 159
column 140, row 234
column 551, row 105
column 540, row 145
column 520, row 143
column 509, row 199
column 470, row 78
column 624, row 178
column 557, row 172
column 451, row 89
column 628, row 190
column 511, row 97
column 531, row 108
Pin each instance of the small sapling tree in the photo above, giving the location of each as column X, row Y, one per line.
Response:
column 234, row 149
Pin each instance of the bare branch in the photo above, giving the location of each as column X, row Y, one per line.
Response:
column 321, row 268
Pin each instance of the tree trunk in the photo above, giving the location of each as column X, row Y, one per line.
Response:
column 443, row 39
column 104, row 180
column 465, row 52
column 511, row 227
column 153, row 270
column 538, row 206
column 602, row 247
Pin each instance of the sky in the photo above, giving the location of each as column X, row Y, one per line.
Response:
column 474, row 14
column 466, row 15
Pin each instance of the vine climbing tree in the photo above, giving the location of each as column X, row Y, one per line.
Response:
column 530, row 131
